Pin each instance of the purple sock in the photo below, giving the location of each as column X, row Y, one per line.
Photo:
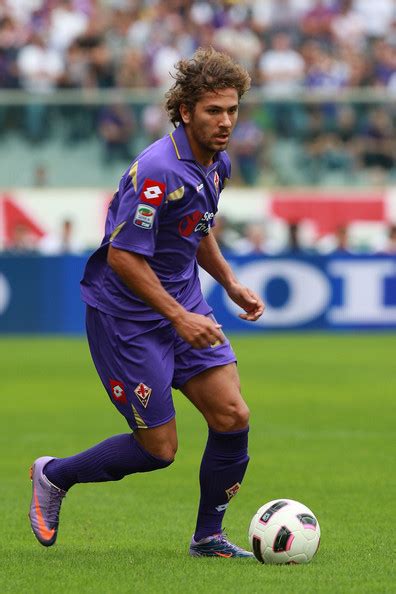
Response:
column 109, row 460
column 222, row 469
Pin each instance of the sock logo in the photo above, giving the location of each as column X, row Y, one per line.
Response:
column 232, row 491
column 221, row 508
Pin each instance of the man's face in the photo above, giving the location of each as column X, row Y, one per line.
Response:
column 210, row 124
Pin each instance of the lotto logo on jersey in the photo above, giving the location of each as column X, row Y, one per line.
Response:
column 118, row 391
column 144, row 216
column 143, row 393
column 152, row 192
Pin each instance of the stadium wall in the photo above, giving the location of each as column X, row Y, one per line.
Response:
column 41, row 294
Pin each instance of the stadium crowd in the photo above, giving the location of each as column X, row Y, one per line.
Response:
column 259, row 238
column 287, row 45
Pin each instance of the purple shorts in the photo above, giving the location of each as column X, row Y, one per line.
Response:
column 140, row 362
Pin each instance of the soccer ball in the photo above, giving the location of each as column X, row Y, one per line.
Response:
column 284, row 531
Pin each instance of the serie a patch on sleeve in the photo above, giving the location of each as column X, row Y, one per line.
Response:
column 144, row 216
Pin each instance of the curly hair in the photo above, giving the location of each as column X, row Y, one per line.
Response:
column 207, row 71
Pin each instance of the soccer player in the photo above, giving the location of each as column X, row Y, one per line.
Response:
column 149, row 328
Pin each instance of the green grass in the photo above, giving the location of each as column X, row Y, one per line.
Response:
column 322, row 432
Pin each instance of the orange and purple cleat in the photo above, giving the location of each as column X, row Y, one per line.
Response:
column 45, row 505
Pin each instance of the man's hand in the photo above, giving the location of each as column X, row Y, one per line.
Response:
column 248, row 300
column 198, row 330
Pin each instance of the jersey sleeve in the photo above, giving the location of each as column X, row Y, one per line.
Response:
column 140, row 200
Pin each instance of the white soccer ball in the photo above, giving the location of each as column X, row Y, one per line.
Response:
column 284, row 531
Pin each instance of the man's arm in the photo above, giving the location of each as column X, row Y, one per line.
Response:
column 210, row 258
column 133, row 269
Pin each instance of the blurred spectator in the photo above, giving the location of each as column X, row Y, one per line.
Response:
column 293, row 240
column 163, row 63
column 115, row 128
column 391, row 245
column 23, row 10
column 314, row 132
column 253, row 242
column 76, row 62
column 39, row 69
column 278, row 14
column 316, row 22
column 225, row 236
column 40, row 179
column 247, row 147
column 155, row 123
column 12, row 38
column 131, row 70
column 62, row 243
column 341, row 240
column 384, row 63
column 337, row 242
column 377, row 16
column 281, row 67
column 23, row 241
column 331, row 147
column 377, row 141
column 324, row 71
column 238, row 40
column 101, row 73
column 281, row 70
column 66, row 23
column 347, row 26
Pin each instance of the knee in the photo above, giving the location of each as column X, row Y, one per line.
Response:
column 235, row 416
column 165, row 449
column 165, row 452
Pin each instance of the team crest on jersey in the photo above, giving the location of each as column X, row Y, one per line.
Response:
column 144, row 216
column 216, row 180
column 232, row 491
column 143, row 393
column 152, row 192
column 118, row 391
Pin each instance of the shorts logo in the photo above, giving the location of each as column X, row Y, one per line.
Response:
column 118, row 392
column 144, row 216
column 232, row 491
column 152, row 192
column 143, row 393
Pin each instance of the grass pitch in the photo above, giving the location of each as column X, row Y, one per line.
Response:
column 322, row 432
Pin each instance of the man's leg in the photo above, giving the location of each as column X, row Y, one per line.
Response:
column 116, row 457
column 135, row 364
column 109, row 460
column 216, row 394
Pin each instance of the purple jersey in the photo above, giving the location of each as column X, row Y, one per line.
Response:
column 164, row 206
